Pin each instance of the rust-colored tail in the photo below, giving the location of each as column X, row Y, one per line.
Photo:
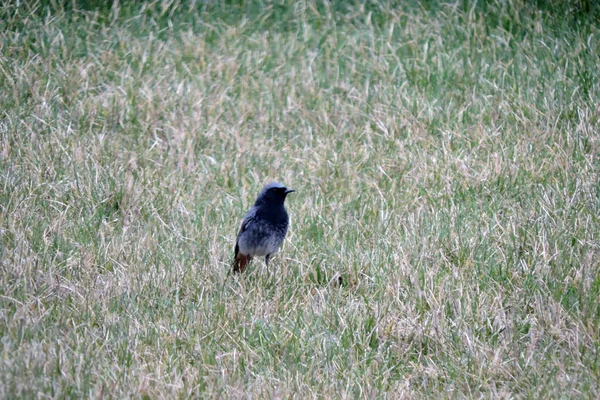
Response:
column 240, row 262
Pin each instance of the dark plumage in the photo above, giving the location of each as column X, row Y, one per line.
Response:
column 264, row 227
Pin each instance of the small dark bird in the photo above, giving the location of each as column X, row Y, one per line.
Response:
column 264, row 227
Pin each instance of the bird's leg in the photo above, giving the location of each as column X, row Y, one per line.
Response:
column 267, row 258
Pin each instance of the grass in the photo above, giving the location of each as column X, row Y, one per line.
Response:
column 446, row 157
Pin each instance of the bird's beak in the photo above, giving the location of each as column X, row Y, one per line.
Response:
column 289, row 191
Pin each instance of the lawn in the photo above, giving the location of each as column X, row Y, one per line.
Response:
column 445, row 230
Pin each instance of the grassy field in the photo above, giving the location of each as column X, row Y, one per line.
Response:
column 446, row 158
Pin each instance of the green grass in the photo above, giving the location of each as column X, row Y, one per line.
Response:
column 446, row 157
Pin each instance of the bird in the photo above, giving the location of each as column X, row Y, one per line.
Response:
column 264, row 228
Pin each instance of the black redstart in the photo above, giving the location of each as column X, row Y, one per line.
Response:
column 264, row 227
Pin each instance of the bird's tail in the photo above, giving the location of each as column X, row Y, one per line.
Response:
column 240, row 262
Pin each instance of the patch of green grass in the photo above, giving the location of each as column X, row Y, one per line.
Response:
column 445, row 229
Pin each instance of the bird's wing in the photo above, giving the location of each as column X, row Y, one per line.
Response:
column 250, row 216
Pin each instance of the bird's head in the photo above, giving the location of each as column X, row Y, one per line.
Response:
column 273, row 193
